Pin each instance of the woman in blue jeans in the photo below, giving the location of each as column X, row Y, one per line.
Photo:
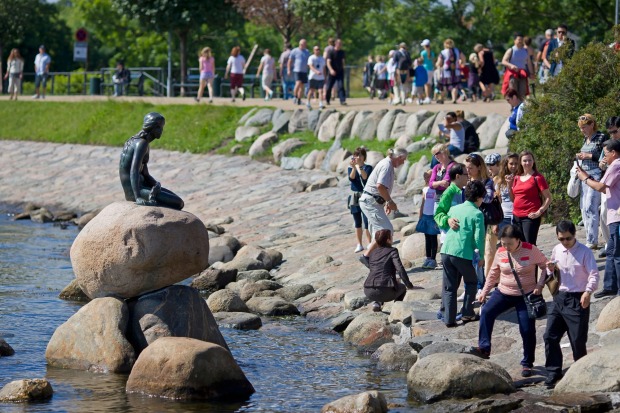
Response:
column 525, row 257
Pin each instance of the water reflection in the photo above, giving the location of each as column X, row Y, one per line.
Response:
column 292, row 369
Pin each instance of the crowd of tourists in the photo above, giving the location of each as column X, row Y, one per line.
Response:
column 483, row 217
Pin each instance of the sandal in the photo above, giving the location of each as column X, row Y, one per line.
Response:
column 526, row 372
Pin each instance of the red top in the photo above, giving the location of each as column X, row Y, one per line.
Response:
column 528, row 194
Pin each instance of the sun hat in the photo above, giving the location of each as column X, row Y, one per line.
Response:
column 425, row 42
column 492, row 158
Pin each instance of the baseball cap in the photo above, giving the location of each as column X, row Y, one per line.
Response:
column 425, row 42
column 492, row 158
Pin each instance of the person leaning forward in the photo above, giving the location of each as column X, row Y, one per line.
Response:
column 570, row 312
column 376, row 201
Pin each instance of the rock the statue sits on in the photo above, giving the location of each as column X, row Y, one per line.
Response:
column 138, row 184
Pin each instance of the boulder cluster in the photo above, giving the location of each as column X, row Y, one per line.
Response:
column 126, row 261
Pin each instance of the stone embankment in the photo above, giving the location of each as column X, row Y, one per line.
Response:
column 270, row 209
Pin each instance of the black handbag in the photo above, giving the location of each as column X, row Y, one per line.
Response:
column 493, row 212
column 536, row 305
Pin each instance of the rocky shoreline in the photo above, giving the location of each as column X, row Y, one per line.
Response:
column 313, row 232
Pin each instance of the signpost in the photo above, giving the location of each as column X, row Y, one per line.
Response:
column 80, row 51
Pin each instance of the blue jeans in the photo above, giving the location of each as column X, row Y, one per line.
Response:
column 497, row 304
column 589, row 203
column 612, row 262
column 288, row 84
column 505, row 222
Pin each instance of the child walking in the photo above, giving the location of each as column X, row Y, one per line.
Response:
column 427, row 225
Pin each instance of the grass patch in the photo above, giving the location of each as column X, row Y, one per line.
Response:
column 193, row 128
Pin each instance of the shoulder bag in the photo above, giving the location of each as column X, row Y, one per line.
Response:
column 536, row 305
column 553, row 281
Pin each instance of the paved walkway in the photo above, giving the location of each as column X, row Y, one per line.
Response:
column 479, row 108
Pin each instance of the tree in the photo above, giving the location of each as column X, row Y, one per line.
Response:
column 162, row 16
column 335, row 15
column 278, row 14
column 14, row 15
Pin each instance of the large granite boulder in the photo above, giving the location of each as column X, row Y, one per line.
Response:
column 226, row 301
column 415, row 121
column 246, row 133
column 176, row 311
column 384, row 128
column 238, row 321
column 298, row 121
column 597, row 372
column 5, row 348
column 271, row 306
column 260, row 118
column 359, row 116
column 411, row 247
column 344, row 127
column 270, row 257
column 29, row 390
column 367, row 402
column 369, row 331
column 281, row 123
column 327, row 131
column 609, row 319
column 129, row 249
column 73, row 292
column 93, row 339
column 189, row 369
column 293, row 292
column 262, row 143
column 439, row 119
column 374, row 157
column 502, row 141
column 286, row 147
column 426, row 126
column 367, row 127
column 489, row 130
column 313, row 119
column 213, row 279
column 322, row 118
column 310, row 160
column 291, row 163
column 456, row 376
column 392, row 356
column 400, row 125
column 247, row 116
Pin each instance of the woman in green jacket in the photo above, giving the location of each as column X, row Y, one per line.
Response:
column 457, row 253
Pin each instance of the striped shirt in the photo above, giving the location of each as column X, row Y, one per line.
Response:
column 525, row 259
column 595, row 147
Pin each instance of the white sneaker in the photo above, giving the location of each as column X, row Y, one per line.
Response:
column 359, row 248
column 35, row 96
column 409, row 100
column 308, row 105
column 426, row 101
column 461, row 298
column 321, row 106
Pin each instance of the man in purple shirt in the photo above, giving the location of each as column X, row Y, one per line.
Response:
column 571, row 305
column 610, row 185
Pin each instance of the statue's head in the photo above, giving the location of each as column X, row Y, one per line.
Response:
column 154, row 124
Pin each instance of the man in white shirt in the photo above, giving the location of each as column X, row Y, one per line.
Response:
column 41, row 69
column 316, row 68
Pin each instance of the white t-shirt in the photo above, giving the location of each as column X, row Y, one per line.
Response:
column 236, row 64
column 391, row 68
column 269, row 66
column 318, row 63
column 429, row 201
column 383, row 174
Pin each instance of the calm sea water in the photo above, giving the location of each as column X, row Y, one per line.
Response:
column 292, row 368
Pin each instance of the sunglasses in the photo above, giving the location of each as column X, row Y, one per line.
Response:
column 561, row 32
column 586, row 119
column 562, row 239
column 612, row 132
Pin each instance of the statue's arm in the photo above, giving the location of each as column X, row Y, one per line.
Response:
column 148, row 179
column 139, row 152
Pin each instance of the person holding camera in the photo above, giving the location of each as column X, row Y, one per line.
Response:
column 376, row 202
column 359, row 172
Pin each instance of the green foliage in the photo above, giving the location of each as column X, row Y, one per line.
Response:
column 193, row 128
column 588, row 83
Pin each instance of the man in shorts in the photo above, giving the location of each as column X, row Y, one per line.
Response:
column 298, row 66
column 42, row 70
column 316, row 67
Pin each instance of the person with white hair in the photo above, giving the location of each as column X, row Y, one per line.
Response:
column 376, row 201
column 542, row 71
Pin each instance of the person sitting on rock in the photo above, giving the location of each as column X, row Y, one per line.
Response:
column 384, row 262
column 138, row 184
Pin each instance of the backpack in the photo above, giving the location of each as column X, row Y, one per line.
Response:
column 472, row 140
column 404, row 61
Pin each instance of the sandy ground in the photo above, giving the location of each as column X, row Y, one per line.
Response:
column 479, row 108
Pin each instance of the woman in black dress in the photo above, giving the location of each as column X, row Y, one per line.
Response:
column 489, row 76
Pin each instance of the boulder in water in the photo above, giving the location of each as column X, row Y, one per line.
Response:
column 28, row 390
